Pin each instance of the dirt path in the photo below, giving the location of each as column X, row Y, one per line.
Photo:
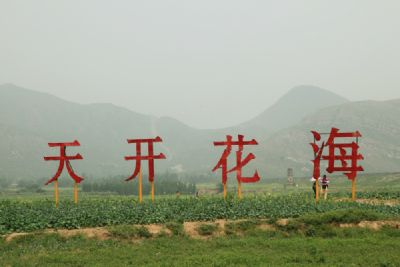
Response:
column 190, row 229
column 375, row 225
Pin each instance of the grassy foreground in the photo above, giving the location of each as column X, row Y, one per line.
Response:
column 350, row 247
column 314, row 239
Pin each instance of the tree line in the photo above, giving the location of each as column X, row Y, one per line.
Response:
column 164, row 185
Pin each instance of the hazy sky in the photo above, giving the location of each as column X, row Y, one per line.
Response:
column 209, row 63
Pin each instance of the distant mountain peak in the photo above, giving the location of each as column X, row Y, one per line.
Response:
column 292, row 107
column 311, row 92
column 307, row 88
column 7, row 85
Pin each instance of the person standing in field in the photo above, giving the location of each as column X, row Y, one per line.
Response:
column 314, row 185
column 325, row 185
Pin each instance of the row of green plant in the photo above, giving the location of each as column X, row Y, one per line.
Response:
column 382, row 195
column 25, row 216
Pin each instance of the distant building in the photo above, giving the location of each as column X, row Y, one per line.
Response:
column 290, row 177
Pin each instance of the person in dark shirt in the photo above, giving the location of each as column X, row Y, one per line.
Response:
column 314, row 185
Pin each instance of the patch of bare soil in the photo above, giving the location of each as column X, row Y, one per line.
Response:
column 221, row 227
column 98, row 233
column 283, row 222
column 266, row 227
column 11, row 237
column 190, row 229
column 347, row 225
column 379, row 224
column 157, row 229
column 154, row 229
column 373, row 225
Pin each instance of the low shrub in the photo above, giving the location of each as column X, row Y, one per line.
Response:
column 207, row 229
column 340, row 216
column 129, row 232
column 176, row 228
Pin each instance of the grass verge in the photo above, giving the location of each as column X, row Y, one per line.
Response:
column 361, row 248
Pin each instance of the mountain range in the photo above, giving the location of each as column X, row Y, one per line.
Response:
column 30, row 119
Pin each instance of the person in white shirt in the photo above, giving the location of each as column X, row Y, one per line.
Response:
column 325, row 185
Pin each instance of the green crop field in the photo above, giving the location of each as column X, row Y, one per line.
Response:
column 251, row 233
column 32, row 215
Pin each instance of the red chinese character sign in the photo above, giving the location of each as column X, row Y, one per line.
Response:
column 139, row 158
column 240, row 162
column 64, row 161
column 341, row 156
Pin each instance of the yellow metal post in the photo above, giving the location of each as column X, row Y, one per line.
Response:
column 76, row 193
column 224, row 191
column 152, row 191
column 239, row 190
column 56, row 192
column 317, row 190
column 140, row 187
column 353, row 189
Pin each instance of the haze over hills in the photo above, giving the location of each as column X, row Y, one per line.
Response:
column 292, row 108
column 29, row 120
